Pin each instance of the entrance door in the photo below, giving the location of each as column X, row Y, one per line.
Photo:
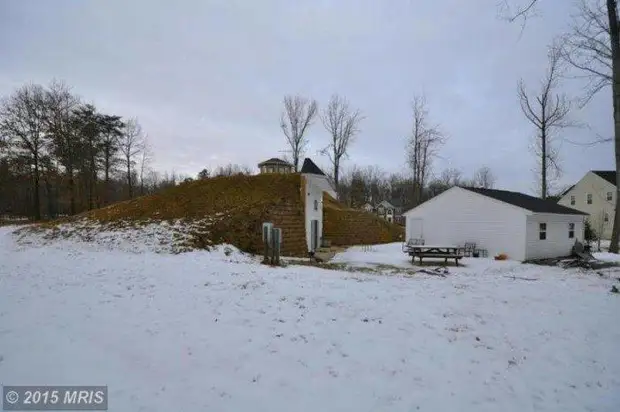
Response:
column 314, row 234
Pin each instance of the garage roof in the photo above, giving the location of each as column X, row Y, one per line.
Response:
column 531, row 203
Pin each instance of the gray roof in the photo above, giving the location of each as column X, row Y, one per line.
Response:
column 274, row 161
column 531, row 203
column 609, row 175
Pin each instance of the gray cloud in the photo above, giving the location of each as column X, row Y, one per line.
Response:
column 206, row 78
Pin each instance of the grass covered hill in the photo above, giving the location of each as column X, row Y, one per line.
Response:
column 222, row 210
column 346, row 227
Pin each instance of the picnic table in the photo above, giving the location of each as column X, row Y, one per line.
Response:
column 434, row 251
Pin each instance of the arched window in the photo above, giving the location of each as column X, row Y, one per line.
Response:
column 316, row 204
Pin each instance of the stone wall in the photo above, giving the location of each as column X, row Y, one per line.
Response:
column 290, row 218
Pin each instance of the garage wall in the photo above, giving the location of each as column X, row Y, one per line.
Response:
column 458, row 216
column 557, row 243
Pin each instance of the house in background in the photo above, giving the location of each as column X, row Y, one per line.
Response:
column 275, row 165
column 594, row 194
column 367, row 207
column 390, row 210
column 521, row 226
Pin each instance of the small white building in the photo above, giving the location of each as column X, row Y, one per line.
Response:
column 521, row 226
column 315, row 184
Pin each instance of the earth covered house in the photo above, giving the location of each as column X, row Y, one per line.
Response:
column 231, row 210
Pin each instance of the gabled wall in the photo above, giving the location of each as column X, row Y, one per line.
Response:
column 592, row 183
column 458, row 216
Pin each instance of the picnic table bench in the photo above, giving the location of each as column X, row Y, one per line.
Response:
column 433, row 251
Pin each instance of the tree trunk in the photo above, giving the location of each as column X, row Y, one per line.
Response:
column 37, row 197
column 612, row 13
column 336, row 173
column 129, row 185
column 49, row 191
column 71, row 192
column 543, row 164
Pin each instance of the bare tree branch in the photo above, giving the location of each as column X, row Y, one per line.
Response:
column 343, row 125
column 587, row 47
column 547, row 111
column 521, row 12
column 484, row 178
column 298, row 115
column 422, row 146
column 131, row 144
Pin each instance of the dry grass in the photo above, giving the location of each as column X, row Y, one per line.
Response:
column 232, row 209
column 345, row 226
column 221, row 209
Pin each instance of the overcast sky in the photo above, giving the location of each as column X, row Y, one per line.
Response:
column 206, row 78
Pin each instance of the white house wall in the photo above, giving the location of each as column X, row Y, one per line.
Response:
column 458, row 216
column 557, row 242
column 598, row 187
column 314, row 192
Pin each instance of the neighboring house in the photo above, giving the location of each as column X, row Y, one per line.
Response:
column 521, row 226
column 594, row 194
column 390, row 210
column 367, row 207
column 275, row 165
column 316, row 183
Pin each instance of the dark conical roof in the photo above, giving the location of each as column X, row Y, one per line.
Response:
column 310, row 167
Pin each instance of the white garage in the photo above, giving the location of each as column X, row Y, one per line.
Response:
column 521, row 226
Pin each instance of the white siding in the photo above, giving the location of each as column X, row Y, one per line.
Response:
column 413, row 227
column 557, row 242
column 314, row 192
column 458, row 216
column 598, row 187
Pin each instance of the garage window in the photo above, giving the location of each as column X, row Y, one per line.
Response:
column 606, row 217
column 610, row 196
column 542, row 231
column 572, row 200
column 589, row 198
column 571, row 230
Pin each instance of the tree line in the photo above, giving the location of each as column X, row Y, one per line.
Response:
column 60, row 155
column 357, row 186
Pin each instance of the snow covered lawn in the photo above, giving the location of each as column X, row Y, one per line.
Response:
column 209, row 332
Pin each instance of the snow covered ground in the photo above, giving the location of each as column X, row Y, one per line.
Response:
column 216, row 331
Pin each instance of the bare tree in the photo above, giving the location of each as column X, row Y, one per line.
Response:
column 298, row 115
column 422, row 146
column 587, row 46
column 547, row 111
column 131, row 144
column 451, row 177
column 484, row 178
column 613, row 31
column 65, row 140
column 22, row 122
column 146, row 157
column 232, row 170
column 342, row 123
